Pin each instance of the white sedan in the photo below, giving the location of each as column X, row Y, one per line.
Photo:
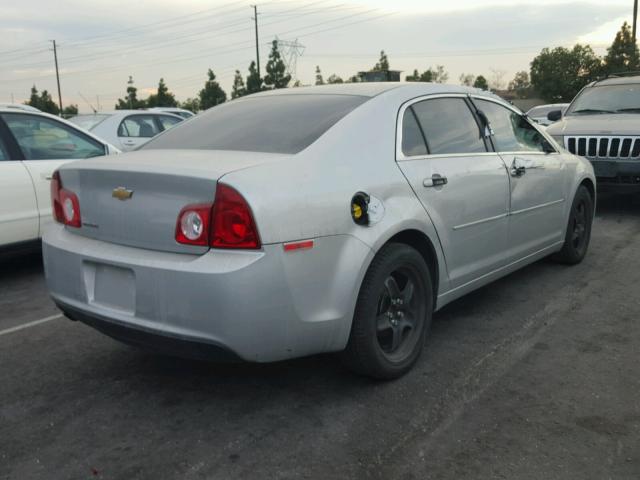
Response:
column 127, row 129
column 32, row 146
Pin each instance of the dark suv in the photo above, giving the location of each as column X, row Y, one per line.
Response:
column 603, row 125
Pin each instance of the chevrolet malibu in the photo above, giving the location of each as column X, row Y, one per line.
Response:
column 321, row 219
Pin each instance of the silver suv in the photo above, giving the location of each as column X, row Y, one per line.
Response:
column 603, row 124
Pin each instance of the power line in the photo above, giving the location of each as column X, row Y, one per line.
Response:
column 55, row 57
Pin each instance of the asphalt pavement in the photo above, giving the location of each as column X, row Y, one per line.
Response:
column 536, row 376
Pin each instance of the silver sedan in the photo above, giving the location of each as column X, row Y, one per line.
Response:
column 321, row 219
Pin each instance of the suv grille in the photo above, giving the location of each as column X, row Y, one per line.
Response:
column 604, row 147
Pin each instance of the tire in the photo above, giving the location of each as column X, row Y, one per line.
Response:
column 578, row 234
column 391, row 319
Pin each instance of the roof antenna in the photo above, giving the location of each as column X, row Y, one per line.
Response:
column 87, row 102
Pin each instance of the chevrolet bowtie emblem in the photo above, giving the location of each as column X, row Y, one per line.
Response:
column 122, row 193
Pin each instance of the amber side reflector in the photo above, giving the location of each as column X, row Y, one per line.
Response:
column 301, row 245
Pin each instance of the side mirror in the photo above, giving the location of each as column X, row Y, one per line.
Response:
column 554, row 115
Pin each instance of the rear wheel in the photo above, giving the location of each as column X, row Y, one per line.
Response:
column 578, row 231
column 393, row 314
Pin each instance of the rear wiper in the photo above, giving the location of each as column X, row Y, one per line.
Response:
column 634, row 109
column 592, row 110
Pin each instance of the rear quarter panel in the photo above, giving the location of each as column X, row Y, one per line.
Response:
column 309, row 195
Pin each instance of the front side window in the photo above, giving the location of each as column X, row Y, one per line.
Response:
column 42, row 138
column 167, row 122
column 138, row 126
column 449, row 126
column 511, row 131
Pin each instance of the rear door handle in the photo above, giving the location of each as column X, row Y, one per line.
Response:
column 436, row 180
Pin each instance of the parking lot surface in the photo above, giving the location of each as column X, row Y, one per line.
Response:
column 534, row 376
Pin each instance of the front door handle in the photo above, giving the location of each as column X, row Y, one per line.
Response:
column 518, row 168
column 436, row 180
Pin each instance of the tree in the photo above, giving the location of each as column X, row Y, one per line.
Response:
column 70, row 110
column 481, row 83
column 130, row 101
column 276, row 71
column 254, row 82
column 319, row 79
column 333, row 78
column 521, row 85
column 212, row 94
column 622, row 55
column 163, row 98
column 191, row 104
column 467, row 79
column 558, row 75
column 239, row 90
column 436, row 75
column 43, row 102
column 383, row 63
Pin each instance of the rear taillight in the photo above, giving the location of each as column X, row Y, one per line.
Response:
column 192, row 227
column 232, row 224
column 227, row 224
column 65, row 204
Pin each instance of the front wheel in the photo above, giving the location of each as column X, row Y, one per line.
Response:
column 578, row 231
column 393, row 314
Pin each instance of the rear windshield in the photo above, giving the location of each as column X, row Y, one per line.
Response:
column 88, row 121
column 270, row 124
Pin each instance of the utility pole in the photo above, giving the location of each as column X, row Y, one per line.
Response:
column 255, row 19
column 55, row 57
column 635, row 19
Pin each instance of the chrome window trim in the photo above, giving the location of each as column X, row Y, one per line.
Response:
column 400, row 156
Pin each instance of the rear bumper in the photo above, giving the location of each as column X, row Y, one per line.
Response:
column 151, row 339
column 261, row 306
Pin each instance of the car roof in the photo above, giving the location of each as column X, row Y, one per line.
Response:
column 613, row 80
column 372, row 89
column 18, row 106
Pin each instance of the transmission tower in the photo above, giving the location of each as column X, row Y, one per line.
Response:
column 290, row 50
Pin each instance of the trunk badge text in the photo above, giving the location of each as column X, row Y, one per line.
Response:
column 122, row 193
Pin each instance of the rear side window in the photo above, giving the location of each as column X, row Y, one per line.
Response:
column 138, row 126
column 271, row 124
column 167, row 122
column 511, row 131
column 449, row 126
column 412, row 139
column 42, row 138
column 4, row 154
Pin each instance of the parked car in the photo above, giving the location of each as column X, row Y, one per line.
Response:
column 181, row 112
column 603, row 125
column 127, row 129
column 32, row 146
column 540, row 113
column 18, row 106
column 317, row 219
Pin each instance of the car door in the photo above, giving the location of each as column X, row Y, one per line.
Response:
column 538, row 179
column 18, row 207
column 463, row 186
column 136, row 130
column 45, row 144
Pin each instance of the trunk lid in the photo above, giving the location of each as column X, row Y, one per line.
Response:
column 134, row 199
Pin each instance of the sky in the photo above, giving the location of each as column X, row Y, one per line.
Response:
column 102, row 42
